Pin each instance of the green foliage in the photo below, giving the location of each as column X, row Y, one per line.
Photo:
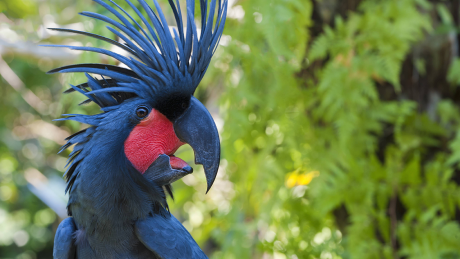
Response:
column 454, row 76
column 278, row 121
column 318, row 161
column 17, row 9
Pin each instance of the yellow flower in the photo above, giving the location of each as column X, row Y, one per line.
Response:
column 296, row 178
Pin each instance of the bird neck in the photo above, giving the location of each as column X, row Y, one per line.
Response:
column 108, row 186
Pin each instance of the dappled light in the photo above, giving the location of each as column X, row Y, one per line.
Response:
column 338, row 119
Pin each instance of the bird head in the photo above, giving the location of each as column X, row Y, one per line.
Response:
column 148, row 107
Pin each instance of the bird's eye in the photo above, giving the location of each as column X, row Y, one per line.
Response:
column 142, row 111
column 184, row 105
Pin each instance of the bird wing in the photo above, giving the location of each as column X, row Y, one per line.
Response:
column 167, row 237
column 64, row 247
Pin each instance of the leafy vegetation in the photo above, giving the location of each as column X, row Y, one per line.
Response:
column 340, row 129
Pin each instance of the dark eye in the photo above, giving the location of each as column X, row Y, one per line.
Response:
column 184, row 105
column 142, row 111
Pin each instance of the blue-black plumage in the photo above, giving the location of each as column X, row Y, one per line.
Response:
column 123, row 164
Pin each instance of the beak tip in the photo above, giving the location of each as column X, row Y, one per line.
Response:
column 211, row 171
column 188, row 169
column 209, row 186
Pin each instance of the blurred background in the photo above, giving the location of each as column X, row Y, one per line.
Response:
column 339, row 121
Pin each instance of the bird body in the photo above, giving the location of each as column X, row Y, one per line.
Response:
column 154, row 232
column 122, row 165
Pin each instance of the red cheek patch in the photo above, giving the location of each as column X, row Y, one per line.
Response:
column 152, row 137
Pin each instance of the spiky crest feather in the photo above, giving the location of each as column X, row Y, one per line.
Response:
column 166, row 63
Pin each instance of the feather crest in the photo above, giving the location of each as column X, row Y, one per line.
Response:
column 158, row 56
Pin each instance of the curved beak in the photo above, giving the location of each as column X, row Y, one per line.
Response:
column 197, row 128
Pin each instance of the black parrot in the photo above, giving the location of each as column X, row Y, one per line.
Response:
column 123, row 164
